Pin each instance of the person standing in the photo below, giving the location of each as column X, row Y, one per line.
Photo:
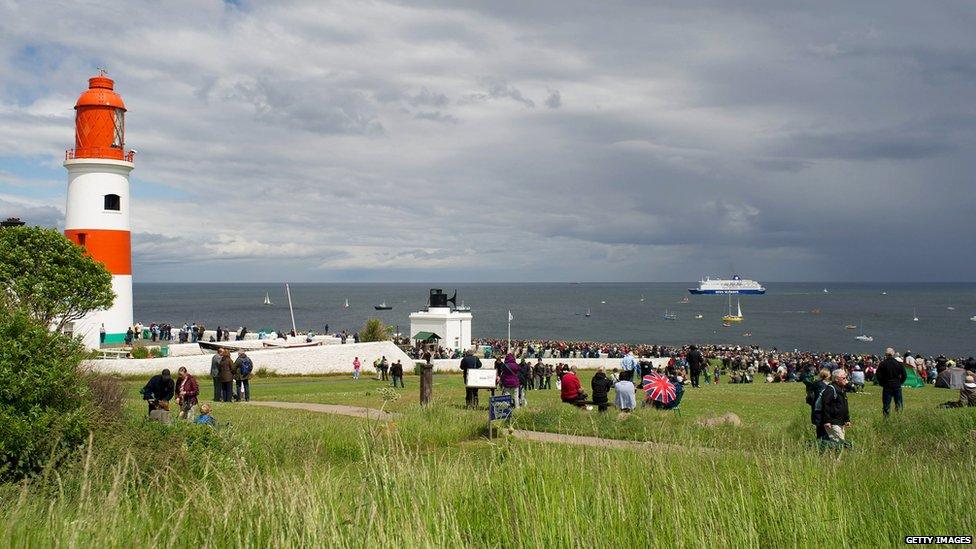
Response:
column 384, row 368
column 548, row 373
column 601, row 389
column 539, row 372
column 890, row 375
column 836, row 416
column 243, row 367
column 628, row 366
column 510, row 380
column 470, row 362
column 187, row 390
column 396, row 373
column 101, row 335
column 225, row 374
column 815, row 388
column 356, row 366
column 696, row 363
column 215, row 372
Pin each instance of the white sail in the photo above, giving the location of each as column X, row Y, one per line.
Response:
column 739, row 307
column 267, row 299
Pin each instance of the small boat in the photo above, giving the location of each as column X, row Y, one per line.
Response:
column 850, row 327
column 973, row 318
column 642, row 298
column 685, row 300
column 747, row 334
column 884, row 292
column 587, row 312
column 864, row 337
column 950, row 308
column 914, row 315
column 603, row 302
column 825, row 291
column 346, row 305
column 726, row 325
column 815, row 312
column 670, row 315
column 383, row 307
column 462, row 308
column 267, row 299
column 734, row 317
column 699, row 316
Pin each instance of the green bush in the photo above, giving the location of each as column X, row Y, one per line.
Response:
column 45, row 406
column 140, row 352
column 155, row 352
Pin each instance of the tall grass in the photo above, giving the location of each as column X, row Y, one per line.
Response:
column 286, row 478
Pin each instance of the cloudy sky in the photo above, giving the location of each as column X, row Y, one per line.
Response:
column 513, row 141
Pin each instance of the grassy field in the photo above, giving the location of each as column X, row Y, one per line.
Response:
column 430, row 478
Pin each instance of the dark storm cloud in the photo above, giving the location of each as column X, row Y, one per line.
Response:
column 400, row 140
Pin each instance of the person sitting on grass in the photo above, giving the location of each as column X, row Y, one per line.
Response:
column 625, row 400
column 601, row 389
column 857, row 379
column 572, row 390
column 205, row 418
column 967, row 395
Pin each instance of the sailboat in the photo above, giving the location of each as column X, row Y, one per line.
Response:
column 699, row 316
column 914, row 315
column 267, row 299
column 642, row 298
column 346, row 305
column 863, row 336
column 587, row 312
column 736, row 317
column 462, row 308
column 383, row 307
column 825, row 291
column 669, row 315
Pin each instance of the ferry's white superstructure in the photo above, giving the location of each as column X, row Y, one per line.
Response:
column 735, row 285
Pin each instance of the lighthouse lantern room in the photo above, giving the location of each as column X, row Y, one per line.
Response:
column 97, row 212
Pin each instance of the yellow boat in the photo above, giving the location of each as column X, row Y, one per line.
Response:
column 733, row 317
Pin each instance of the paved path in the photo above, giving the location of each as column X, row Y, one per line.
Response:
column 534, row 436
column 336, row 409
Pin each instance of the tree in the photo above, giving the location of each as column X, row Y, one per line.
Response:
column 45, row 403
column 375, row 330
column 49, row 278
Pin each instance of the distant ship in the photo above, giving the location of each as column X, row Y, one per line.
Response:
column 669, row 315
column 346, row 304
column 462, row 307
column 383, row 307
column 735, row 285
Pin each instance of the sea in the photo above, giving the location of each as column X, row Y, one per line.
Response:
column 789, row 316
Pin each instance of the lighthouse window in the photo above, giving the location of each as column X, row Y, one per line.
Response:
column 113, row 202
column 119, row 138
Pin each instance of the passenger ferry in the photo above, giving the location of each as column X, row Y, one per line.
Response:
column 735, row 285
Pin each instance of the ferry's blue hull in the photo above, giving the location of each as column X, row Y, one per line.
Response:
column 696, row 291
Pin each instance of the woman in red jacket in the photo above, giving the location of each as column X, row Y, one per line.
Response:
column 187, row 390
column 572, row 390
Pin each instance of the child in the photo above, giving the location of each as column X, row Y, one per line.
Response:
column 205, row 418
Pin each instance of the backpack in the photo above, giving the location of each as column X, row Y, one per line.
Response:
column 818, row 405
column 246, row 368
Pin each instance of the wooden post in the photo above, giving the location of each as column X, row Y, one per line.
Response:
column 426, row 383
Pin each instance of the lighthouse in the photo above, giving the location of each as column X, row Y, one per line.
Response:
column 97, row 211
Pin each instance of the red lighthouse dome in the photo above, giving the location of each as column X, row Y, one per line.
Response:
column 100, row 122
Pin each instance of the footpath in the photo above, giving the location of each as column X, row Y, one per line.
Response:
column 534, row 436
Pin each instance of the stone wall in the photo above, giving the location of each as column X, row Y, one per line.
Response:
column 325, row 359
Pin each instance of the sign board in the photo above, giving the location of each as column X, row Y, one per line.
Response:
column 482, row 378
column 500, row 407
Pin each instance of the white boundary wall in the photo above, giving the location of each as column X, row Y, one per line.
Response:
column 454, row 365
column 325, row 359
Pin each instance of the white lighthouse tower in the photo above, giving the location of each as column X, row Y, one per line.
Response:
column 97, row 212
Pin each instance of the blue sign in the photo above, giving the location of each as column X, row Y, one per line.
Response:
column 500, row 407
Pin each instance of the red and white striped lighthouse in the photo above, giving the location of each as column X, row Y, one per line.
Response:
column 97, row 213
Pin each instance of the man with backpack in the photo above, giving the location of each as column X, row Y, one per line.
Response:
column 215, row 372
column 834, row 413
column 815, row 388
column 242, row 375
